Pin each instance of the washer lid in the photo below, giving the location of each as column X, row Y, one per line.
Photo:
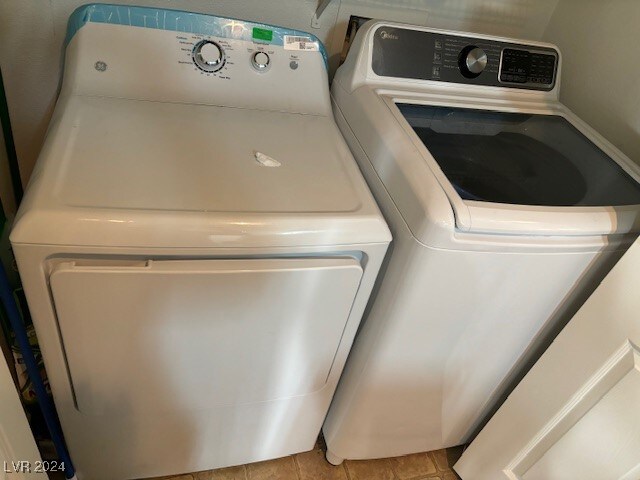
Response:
column 520, row 158
column 135, row 173
column 524, row 173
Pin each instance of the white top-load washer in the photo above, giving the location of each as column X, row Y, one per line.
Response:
column 506, row 211
column 197, row 244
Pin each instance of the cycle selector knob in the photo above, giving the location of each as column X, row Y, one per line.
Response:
column 472, row 61
column 261, row 61
column 208, row 56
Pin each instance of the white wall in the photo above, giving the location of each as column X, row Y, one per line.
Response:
column 32, row 32
column 601, row 70
column 511, row 18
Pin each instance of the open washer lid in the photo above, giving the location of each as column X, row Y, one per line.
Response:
column 524, row 173
column 119, row 172
column 520, row 159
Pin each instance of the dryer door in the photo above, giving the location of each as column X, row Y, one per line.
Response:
column 166, row 335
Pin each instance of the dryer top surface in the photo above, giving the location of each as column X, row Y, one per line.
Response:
column 114, row 165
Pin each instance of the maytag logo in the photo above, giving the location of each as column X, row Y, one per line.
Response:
column 384, row 35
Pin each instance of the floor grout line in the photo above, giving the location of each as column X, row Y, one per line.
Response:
column 346, row 470
column 297, row 465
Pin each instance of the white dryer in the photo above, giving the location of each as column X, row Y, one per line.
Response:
column 197, row 244
column 506, row 211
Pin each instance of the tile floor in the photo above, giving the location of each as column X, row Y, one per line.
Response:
column 313, row 466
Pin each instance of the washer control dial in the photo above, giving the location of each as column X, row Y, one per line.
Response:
column 472, row 61
column 261, row 61
column 208, row 56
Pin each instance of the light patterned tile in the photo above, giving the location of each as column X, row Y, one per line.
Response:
column 379, row 469
column 230, row 473
column 278, row 469
column 412, row 466
column 314, row 466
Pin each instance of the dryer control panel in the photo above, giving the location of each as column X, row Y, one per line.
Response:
column 448, row 57
column 163, row 55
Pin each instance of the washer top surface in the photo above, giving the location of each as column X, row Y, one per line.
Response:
column 158, row 142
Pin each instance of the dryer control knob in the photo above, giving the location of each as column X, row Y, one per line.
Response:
column 261, row 61
column 472, row 60
column 208, row 56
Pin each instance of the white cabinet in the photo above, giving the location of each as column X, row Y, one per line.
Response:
column 576, row 414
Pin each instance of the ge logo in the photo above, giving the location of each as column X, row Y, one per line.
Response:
column 100, row 66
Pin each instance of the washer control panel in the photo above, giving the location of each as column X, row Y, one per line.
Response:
column 528, row 67
column 424, row 55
